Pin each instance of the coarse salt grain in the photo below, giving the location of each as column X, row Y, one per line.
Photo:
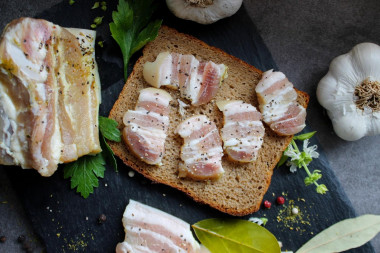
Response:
column 131, row 174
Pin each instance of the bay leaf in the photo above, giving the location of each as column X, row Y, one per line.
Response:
column 344, row 235
column 233, row 235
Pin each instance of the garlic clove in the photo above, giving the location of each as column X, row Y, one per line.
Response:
column 325, row 91
column 365, row 57
column 374, row 127
column 345, row 73
column 350, row 127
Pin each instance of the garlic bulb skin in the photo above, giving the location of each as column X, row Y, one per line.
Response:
column 203, row 11
column 349, row 92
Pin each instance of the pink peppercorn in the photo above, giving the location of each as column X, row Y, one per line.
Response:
column 267, row 204
column 280, row 200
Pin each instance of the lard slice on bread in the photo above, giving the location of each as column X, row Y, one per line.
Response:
column 198, row 81
column 241, row 189
column 202, row 150
column 146, row 126
column 243, row 130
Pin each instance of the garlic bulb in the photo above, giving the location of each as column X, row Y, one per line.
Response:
column 350, row 92
column 204, row 11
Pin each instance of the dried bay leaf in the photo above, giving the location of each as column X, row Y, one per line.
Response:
column 344, row 235
column 232, row 235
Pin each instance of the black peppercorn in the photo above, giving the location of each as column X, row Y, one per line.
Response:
column 21, row 239
column 3, row 239
column 102, row 218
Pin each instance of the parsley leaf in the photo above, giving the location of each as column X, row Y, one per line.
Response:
column 131, row 28
column 84, row 173
column 108, row 128
column 107, row 152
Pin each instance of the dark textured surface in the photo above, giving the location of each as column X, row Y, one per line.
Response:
column 295, row 43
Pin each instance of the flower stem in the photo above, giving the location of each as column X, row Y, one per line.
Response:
column 308, row 172
column 303, row 163
column 295, row 146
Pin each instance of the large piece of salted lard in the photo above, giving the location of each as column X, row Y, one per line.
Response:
column 151, row 230
column 202, row 151
column 49, row 95
column 146, row 126
column 243, row 131
column 197, row 81
column 278, row 104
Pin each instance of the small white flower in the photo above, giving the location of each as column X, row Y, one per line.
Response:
column 311, row 151
column 256, row 220
column 292, row 153
column 297, row 158
column 293, row 166
column 259, row 221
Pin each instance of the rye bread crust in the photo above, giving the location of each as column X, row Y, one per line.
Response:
column 241, row 189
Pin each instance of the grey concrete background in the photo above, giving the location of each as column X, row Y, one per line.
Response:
column 303, row 36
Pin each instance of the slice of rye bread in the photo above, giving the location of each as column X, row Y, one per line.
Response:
column 241, row 189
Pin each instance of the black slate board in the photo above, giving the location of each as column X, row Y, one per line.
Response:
column 68, row 223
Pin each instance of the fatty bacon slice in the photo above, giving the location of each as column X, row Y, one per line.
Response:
column 146, row 126
column 202, row 150
column 148, row 229
column 198, row 81
column 243, row 130
column 278, row 104
column 49, row 95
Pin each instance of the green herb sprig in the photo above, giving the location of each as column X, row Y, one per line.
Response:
column 301, row 159
column 131, row 27
column 85, row 172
